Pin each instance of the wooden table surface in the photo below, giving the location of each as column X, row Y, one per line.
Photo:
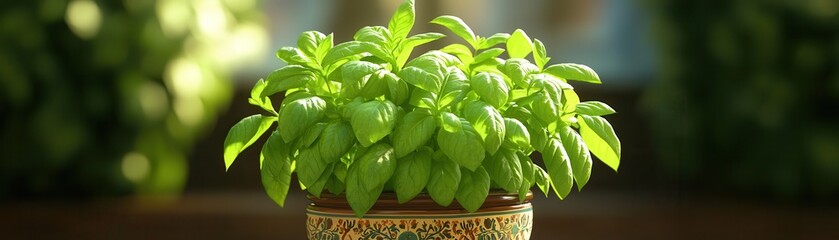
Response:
column 251, row 215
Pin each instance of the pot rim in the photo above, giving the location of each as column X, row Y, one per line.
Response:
column 387, row 203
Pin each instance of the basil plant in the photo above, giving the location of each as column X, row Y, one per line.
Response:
column 362, row 117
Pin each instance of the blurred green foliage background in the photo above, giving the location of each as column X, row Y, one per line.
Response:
column 108, row 97
column 746, row 100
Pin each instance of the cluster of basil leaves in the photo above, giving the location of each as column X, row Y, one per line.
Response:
column 359, row 118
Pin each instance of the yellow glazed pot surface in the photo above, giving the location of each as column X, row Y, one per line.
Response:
column 502, row 216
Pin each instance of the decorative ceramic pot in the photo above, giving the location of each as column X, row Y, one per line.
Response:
column 502, row 216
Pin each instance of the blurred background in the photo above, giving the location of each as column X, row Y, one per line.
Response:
column 113, row 113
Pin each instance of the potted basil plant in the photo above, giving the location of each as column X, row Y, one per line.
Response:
column 435, row 146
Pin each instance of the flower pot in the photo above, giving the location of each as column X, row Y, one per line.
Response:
column 502, row 216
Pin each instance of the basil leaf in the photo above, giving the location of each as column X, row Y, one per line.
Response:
column 518, row 70
column 373, row 121
column 519, row 44
column 411, row 176
column 542, row 179
column 463, row 147
column 491, row 88
column 310, row 166
column 594, row 108
column 410, row 43
column 310, row 135
column 573, row 71
column 403, row 20
column 376, row 84
column 540, row 55
column 308, row 43
column 334, row 185
column 488, row 54
column 504, row 169
column 495, row 39
column 413, row 131
column 460, row 51
column 601, row 139
column 458, row 27
column 444, row 181
column 578, row 154
column 324, row 47
column 355, row 75
column 299, row 115
column 359, row 198
column 243, row 134
column 488, row 123
column 275, row 168
column 517, row 133
column 351, row 49
column 559, row 167
column 425, row 72
column 335, row 141
column 373, row 34
column 285, row 78
column 397, row 89
column 450, row 122
column 317, row 187
column 294, row 56
column 473, row 189
column 376, row 166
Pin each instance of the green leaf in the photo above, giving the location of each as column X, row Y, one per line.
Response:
column 335, row 141
column 495, row 39
column 335, row 185
column 519, row 44
column 458, row 27
column 488, row 54
column 324, row 47
column 310, row 135
column 403, row 20
column 542, row 179
column 275, row 169
column 397, row 89
column 310, row 166
column 376, row 166
column 463, row 147
column 473, row 189
column 317, row 187
column 460, row 51
column 517, row 133
column 491, row 88
column 412, row 174
column 444, row 180
column 559, row 166
column 373, row 121
column 243, row 134
column 359, row 198
column 601, row 139
column 450, row 122
column 423, row 99
column 578, row 154
column 573, row 71
column 355, row 75
column 412, row 131
column 308, row 43
column 376, row 84
column 504, row 169
column 424, row 72
column 299, row 115
column 294, row 56
column 518, row 70
column 450, row 98
column 285, row 78
column 411, row 42
column 488, row 123
column 351, row 49
column 540, row 55
column 594, row 108
column 373, row 34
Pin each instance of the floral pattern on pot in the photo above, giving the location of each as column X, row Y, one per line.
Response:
column 512, row 224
